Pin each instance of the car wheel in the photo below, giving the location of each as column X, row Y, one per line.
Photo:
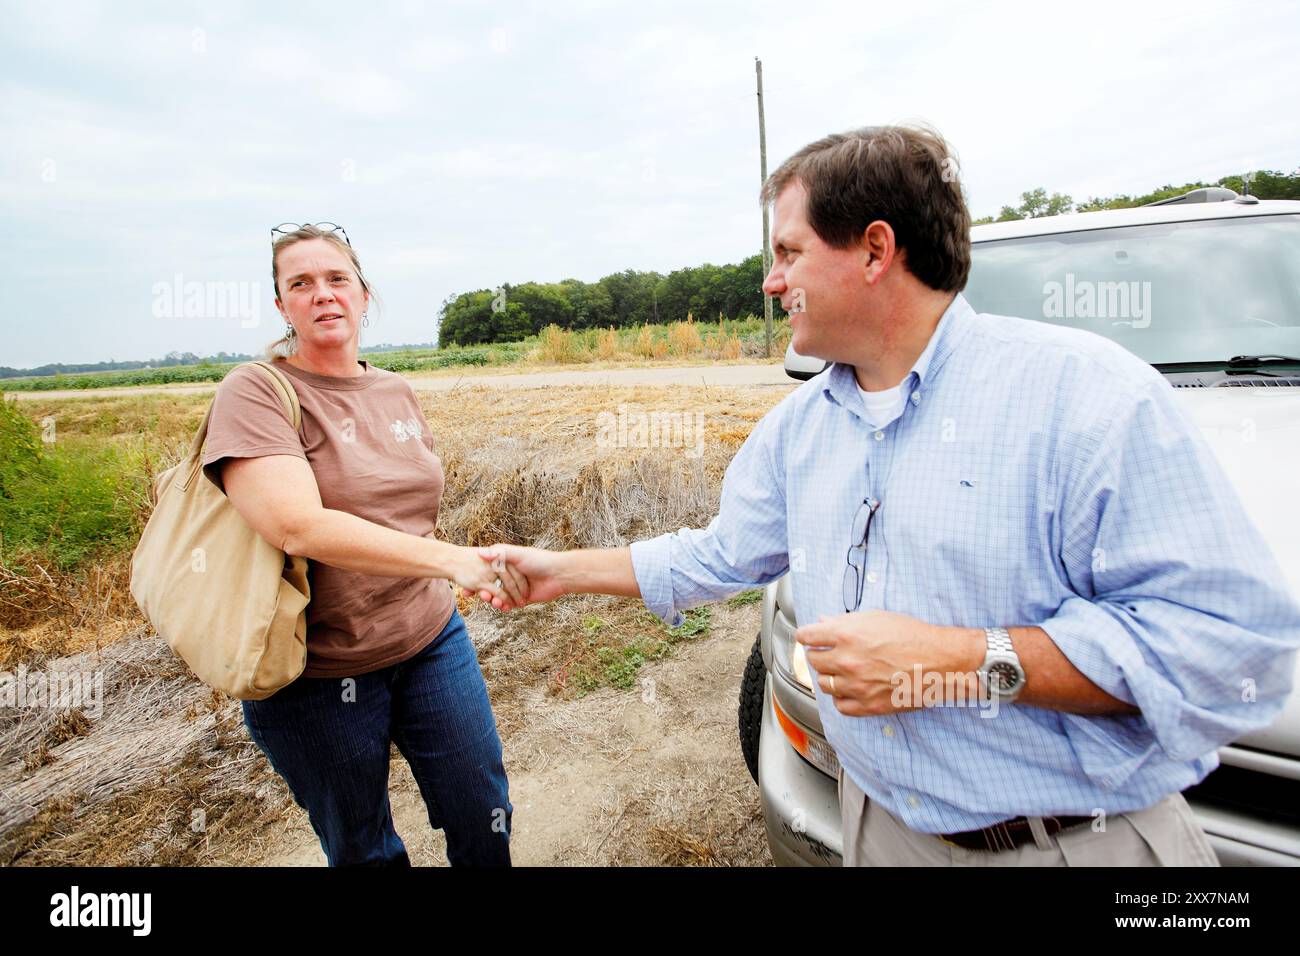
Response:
column 753, row 687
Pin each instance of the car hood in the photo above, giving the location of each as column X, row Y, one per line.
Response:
column 1255, row 432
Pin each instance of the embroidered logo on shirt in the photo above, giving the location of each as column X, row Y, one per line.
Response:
column 410, row 428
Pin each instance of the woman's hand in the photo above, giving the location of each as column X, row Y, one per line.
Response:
column 539, row 567
column 492, row 579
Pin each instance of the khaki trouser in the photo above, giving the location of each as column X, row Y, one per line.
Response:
column 1165, row 834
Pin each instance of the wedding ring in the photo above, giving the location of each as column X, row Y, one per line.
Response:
column 498, row 584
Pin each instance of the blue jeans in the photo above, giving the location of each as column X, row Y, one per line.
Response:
column 328, row 737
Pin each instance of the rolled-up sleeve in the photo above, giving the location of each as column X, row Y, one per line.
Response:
column 745, row 545
column 248, row 420
column 1180, row 607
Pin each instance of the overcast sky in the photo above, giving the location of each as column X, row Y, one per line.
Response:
column 467, row 144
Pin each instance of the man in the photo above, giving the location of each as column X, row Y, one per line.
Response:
column 963, row 494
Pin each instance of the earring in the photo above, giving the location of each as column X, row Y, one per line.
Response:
column 364, row 321
column 289, row 331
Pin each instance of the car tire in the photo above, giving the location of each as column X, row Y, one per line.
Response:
column 753, row 690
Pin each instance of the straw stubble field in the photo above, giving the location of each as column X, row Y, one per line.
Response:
column 619, row 735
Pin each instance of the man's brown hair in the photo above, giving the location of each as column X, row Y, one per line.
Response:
column 903, row 175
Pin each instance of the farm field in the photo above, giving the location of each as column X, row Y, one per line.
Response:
column 619, row 735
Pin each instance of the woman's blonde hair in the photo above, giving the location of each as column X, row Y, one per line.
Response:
column 287, row 344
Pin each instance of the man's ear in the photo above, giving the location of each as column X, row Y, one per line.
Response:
column 280, row 307
column 878, row 251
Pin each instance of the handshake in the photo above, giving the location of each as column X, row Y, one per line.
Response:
column 509, row 576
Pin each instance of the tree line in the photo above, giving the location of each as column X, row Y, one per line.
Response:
column 170, row 360
column 622, row 299
column 1262, row 184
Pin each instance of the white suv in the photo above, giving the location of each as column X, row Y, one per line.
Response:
column 1223, row 272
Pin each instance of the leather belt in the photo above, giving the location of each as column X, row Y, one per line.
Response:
column 1009, row 834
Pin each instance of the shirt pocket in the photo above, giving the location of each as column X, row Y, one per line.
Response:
column 967, row 514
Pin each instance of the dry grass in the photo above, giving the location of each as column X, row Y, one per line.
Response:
column 643, row 347
column 684, row 338
column 51, row 613
column 559, row 346
column 163, row 774
column 607, row 344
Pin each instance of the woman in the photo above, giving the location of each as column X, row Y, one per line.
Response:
column 388, row 655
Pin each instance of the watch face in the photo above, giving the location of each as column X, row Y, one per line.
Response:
column 1003, row 677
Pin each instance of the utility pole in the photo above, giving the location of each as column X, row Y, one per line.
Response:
column 762, row 159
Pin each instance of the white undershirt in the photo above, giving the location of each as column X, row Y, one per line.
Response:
column 884, row 406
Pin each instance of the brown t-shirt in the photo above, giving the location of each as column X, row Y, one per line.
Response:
column 371, row 449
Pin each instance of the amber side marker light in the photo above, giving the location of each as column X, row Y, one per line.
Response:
column 798, row 739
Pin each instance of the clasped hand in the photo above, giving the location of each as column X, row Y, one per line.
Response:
column 526, row 575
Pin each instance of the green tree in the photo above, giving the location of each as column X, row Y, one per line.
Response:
column 1035, row 204
column 592, row 305
column 466, row 319
column 544, row 304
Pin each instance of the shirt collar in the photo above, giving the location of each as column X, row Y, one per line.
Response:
column 841, row 385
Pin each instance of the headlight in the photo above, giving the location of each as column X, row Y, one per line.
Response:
column 788, row 654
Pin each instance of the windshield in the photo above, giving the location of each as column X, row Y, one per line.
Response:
column 1173, row 292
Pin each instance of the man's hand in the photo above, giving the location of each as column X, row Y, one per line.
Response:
column 493, row 581
column 861, row 657
column 539, row 567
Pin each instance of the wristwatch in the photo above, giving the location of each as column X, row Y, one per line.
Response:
column 1001, row 672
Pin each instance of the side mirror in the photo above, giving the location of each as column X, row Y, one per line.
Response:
column 802, row 367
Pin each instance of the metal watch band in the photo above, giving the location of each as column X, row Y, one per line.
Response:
column 1000, row 650
column 999, row 641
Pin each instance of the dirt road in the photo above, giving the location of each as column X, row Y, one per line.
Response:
column 672, row 375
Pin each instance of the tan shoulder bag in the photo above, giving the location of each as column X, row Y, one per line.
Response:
column 229, row 603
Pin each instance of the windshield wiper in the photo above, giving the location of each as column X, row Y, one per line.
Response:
column 1237, row 365
column 1254, row 361
column 1254, row 364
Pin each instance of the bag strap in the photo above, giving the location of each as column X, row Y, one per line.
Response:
column 287, row 395
column 287, row 392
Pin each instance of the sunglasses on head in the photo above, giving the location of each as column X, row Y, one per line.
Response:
column 285, row 228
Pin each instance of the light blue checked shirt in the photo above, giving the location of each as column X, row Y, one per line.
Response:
column 1037, row 476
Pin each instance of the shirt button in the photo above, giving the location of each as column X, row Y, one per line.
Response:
column 887, row 730
column 916, row 398
column 871, row 577
column 913, row 802
column 880, row 436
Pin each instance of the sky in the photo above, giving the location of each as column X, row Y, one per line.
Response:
column 146, row 149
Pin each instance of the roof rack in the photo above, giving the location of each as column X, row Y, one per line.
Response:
column 1205, row 194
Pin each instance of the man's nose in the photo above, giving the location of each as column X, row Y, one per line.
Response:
column 774, row 284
